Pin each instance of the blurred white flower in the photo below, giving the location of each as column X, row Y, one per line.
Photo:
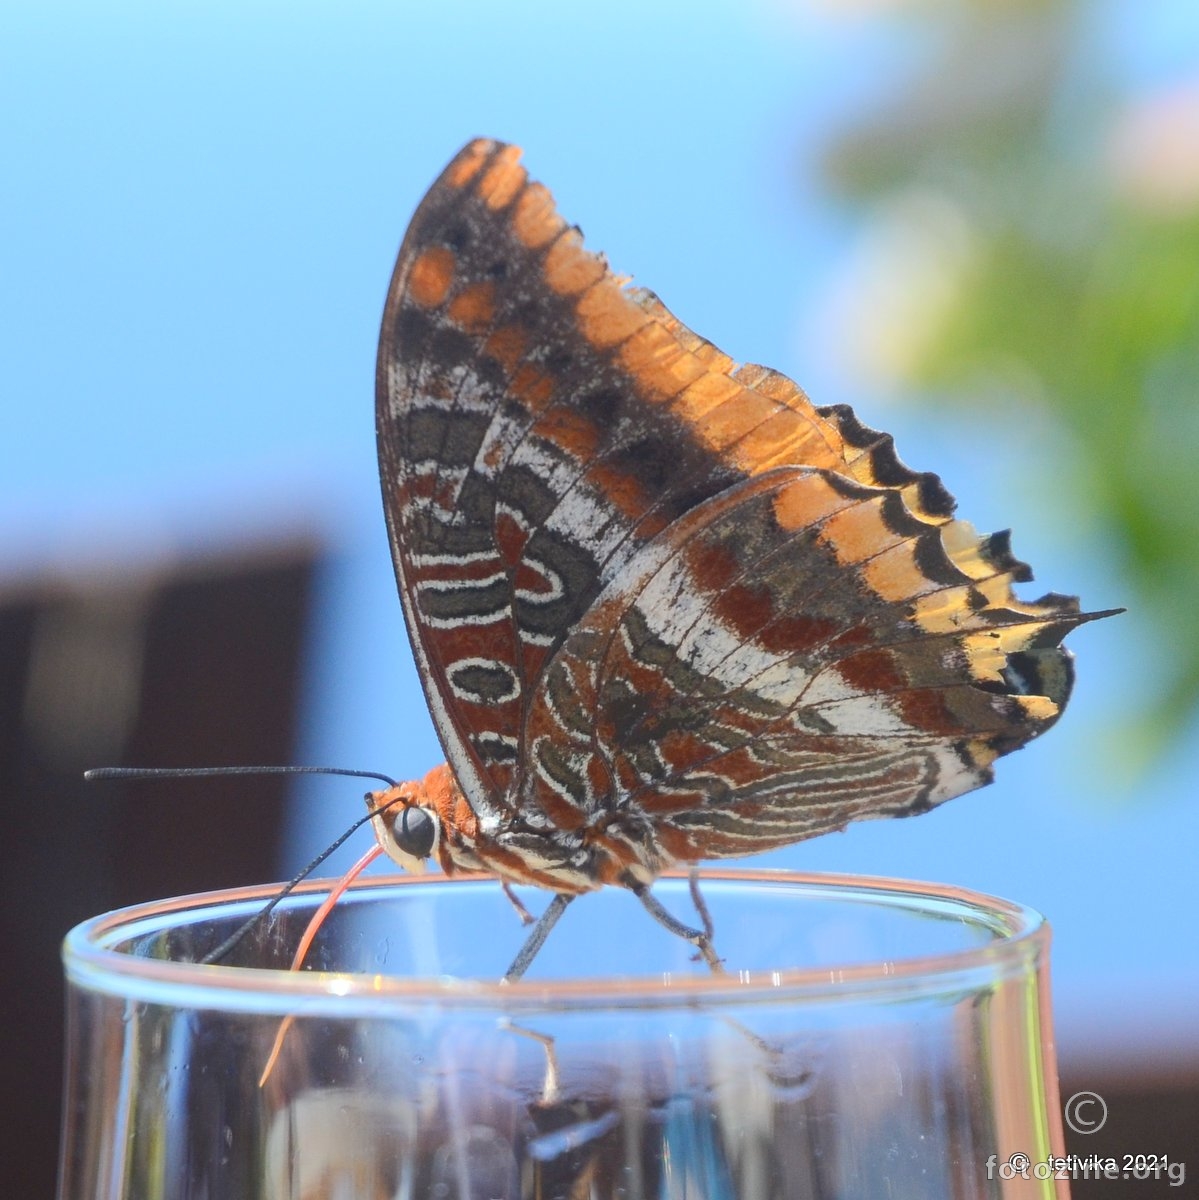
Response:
column 899, row 286
column 1153, row 151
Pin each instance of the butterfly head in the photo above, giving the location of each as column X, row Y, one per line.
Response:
column 424, row 819
column 406, row 824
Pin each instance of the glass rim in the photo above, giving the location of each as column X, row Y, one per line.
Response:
column 91, row 961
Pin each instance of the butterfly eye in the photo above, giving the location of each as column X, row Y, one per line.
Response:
column 415, row 832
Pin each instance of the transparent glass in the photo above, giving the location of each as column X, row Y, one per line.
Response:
column 870, row 1039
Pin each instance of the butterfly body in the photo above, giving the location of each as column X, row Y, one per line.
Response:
column 519, row 850
column 664, row 608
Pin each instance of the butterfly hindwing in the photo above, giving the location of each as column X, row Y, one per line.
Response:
column 743, row 685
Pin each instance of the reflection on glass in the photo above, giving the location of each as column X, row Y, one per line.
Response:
column 869, row 1039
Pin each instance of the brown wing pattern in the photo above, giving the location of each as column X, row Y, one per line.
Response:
column 749, row 681
column 635, row 573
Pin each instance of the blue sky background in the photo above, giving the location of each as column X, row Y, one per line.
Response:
column 201, row 205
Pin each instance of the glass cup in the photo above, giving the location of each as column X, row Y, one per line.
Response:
column 869, row 1038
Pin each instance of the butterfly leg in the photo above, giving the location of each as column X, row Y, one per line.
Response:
column 526, row 917
column 701, row 939
column 550, row 1087
column 536, row 939
column 701, row 905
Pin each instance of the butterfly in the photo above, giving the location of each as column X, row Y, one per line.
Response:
column 664, row 608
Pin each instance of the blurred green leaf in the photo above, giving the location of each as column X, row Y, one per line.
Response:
column 1078, row 291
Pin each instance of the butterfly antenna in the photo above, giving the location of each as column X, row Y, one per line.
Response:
column 197, row 772
column 224, row 948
